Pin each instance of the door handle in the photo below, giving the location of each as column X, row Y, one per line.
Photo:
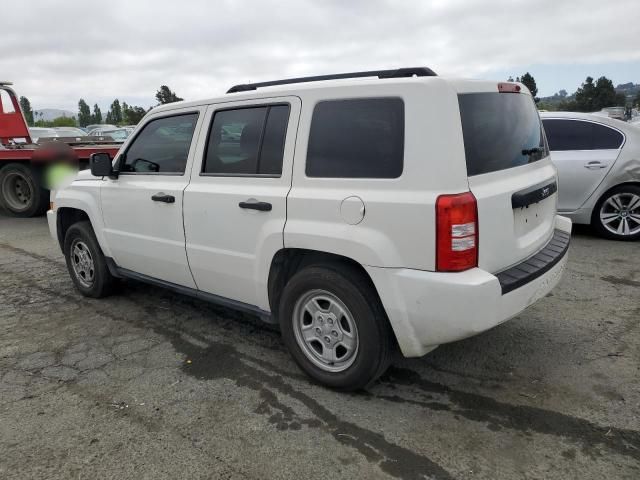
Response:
column 595, row 165
column 163, row 197
column 253, row 204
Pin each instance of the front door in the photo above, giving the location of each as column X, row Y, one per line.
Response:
column 235, row 204
column 142, row 208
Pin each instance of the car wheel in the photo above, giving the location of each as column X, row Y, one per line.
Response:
column 334, row 325
column 86, row 262
column 617, row 213
column 20, row 193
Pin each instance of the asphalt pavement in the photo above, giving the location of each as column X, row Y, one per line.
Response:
column 148, row 384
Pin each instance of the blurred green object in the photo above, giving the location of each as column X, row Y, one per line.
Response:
column 59, row 174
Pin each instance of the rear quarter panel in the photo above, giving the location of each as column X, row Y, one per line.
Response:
column 398, row 228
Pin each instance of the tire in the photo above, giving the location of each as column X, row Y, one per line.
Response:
column 85, row 261
column 20, row 191
column 617, row 214
column 360, row 348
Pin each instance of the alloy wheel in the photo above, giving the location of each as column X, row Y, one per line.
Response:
column 620, row 214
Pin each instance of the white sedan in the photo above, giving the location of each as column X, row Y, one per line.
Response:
column 598, row 162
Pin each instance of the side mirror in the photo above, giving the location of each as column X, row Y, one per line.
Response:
column 100, row 164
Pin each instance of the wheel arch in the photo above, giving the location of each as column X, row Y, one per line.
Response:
column 287, row 261
column 65, row 218
column 75, row 204
column 633, row 183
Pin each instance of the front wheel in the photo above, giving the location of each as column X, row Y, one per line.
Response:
column 20, row 191
column 333, row 324
column 617, row 213
column 86, row 262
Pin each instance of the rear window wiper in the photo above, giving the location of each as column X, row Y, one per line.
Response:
column 531, row 151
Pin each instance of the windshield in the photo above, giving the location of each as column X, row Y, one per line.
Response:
column 501, row 130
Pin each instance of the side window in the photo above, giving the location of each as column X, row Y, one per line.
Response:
column 564, row 135
column 605, row 138
column 247, row 141
column 568, row 135
column 162, row 146
column 360, row 138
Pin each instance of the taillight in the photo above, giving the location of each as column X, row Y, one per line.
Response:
column 456, row 232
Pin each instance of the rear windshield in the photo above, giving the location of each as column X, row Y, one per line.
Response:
column 501, row 130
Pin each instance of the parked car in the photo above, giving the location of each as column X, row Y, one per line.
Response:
column 598, row 161
column 70, row 132
column 418, row 211
column 118, row 134
column 37, row 132
column 95, row 126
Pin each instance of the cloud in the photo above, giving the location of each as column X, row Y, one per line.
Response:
column 57, row 52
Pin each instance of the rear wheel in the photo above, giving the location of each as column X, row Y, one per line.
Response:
column 617, row 213
column 85, row 261
column 20, row 191
column 335, row 327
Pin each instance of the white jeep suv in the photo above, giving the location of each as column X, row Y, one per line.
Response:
column 361, row 211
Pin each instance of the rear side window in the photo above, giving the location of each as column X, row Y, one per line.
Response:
column 162, row 146
column 564, row 135
column 247, row 141
column 501, row 130
column 359, row 138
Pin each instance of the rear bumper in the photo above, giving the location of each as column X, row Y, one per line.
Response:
column 427, row 309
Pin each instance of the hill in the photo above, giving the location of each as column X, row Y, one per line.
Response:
column 48, row 114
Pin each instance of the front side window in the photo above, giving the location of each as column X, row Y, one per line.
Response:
column 247, row 141
column 359, row 138
column 564, row 135
column 162, row 146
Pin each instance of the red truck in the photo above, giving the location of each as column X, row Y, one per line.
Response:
column 24, row 164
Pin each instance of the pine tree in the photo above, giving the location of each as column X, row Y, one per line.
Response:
column 165, row 95
column 25, row 105
column 84, row 113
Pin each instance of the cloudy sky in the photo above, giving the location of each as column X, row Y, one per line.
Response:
column 58, row 51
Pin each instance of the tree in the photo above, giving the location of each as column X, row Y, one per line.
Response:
column 562, row 93
column 114, row 115
column 133, row 115
column 25, row 105
column 592, row 97
column 56, row 122
column 529, row 82
column 585, row 95
column 165, row 95
column 636, row 101
column 63, row 122
column 97, row 114
column 84, row 113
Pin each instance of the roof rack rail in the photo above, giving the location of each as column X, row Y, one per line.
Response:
column 397, row 73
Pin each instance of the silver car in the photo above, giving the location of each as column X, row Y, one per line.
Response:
column 598, row 162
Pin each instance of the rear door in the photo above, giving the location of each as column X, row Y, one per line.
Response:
column 142, row 208
column 583, row 153
column 509, row 171
column 235, row 205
